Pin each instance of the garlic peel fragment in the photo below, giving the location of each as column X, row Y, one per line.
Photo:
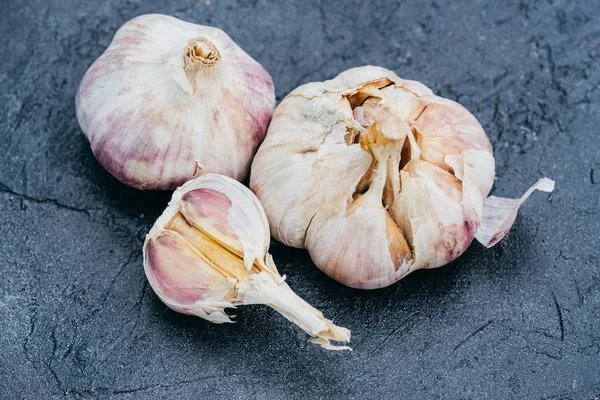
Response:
column 208, row 251
column 500, row 213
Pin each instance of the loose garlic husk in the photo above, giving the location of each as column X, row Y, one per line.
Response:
column 209, row 251
column 378, row 177
column 170, row 100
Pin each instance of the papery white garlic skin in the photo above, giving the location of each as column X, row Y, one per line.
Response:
column 208, row 251
column 377, row 177
column 170, row 100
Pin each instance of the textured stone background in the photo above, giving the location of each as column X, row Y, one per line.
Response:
column 521, row 320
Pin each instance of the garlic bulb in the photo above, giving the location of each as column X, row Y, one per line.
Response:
column 209, row 251
column 170, row 100
column 377, row 177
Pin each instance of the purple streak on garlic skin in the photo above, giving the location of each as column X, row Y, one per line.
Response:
column 324, row 153
column 157, row 115
column 211, row 205
column 208, row 203
column 168, row 256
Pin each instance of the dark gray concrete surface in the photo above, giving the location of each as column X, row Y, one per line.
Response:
column 521, row 320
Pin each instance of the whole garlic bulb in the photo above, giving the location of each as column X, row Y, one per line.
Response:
column 377, row 177
column 209, row 251
column 170, row 100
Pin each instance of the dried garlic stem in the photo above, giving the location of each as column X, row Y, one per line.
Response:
column 263, row 288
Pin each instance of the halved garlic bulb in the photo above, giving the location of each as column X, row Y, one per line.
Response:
column 170, row 100
column 377, row 177
column 209, row 251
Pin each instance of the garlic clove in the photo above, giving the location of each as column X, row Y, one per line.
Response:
column 170, row 100
column 294, row 190
column 338, row 243
column 208, row 251
column 431, row 214
column 447, row 128
column 185, row 279
column 229, row 215
column 499, row 214
column 207, row 210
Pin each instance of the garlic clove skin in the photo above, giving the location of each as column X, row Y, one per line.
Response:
column 170, row 100
column 376, row 177
column 208, row 251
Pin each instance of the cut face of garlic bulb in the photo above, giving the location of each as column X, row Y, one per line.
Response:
column 377, row 177
column 170, row 100
column 208, row 251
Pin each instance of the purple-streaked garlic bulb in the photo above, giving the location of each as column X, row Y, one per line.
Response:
column 170, row 100
column 208, row 251
column 377, row 177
